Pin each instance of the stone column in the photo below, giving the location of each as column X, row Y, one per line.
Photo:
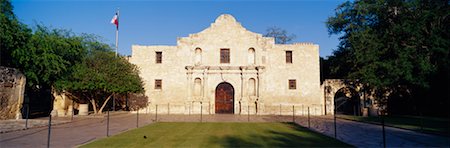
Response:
column 245, row 98
column 188, row 85
column 242, row 92
column 205, row 94
column 244, row 83
column 258, row 108
column 242, row 100
column 204, row 84
column 260, row 84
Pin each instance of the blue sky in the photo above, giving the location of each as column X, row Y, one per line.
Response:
column 161, row 22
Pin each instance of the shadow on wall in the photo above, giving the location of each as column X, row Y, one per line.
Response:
column 347, row 101
column 40, row 102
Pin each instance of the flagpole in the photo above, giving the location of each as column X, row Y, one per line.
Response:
column 117, row 33
column 117, row 47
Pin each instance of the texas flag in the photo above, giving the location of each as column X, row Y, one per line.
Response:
column 115, row 20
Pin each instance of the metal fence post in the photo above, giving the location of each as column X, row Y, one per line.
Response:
column 334, row 118
column 49, row 129
column 384, row 133
column 293, row 113
column 28, row 113
column 107, row 123
column 156, row 114
column 137, row 119
column 335, row 127
column 280, row 109
column 248, row 113
column 201, row 112
column 73, row 112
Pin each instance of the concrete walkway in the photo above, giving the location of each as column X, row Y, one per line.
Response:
column 81, row 130
column 86, row 129
column 370, row 135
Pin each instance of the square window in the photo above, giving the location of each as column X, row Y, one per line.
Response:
column 158, row 84
column 224, row 55
column 158, row 57
column 288, row 56
column 292, row 84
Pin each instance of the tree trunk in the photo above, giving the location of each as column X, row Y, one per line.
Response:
column 94, row 106
column 104, row 103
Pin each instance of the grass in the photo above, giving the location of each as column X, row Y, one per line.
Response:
column 219, row 135
column 432, row 125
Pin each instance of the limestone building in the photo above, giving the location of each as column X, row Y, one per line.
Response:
column 228, row 69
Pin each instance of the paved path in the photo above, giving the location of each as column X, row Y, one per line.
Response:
column 370, row 135
column 80, row 131
column 85, row 129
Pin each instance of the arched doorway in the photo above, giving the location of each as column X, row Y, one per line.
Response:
column 224, row 98
column 347, row 101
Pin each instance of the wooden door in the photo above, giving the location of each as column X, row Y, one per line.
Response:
column 224, row 98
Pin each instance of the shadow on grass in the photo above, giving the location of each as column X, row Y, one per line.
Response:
column 298, row 137
column 430, row 125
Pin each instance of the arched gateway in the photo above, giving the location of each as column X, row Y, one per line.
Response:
column 224, row 98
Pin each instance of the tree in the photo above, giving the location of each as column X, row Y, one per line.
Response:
column 44, row 55
column 281, row 36
column 55, row 60
column 48, row 55
column 400, row 45
column 337, row 66
column 13, row 34
column 99, row 77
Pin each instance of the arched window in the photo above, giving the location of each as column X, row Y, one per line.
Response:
column 198, row 56
column 251, row 87
column 197, row 87
column 251, row 56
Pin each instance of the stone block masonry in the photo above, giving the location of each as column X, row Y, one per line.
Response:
column 227, row 69
column 12, row 87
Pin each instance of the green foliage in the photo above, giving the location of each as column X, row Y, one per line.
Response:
column 280, row 35
column 13, row 34
column 48, row 55
column 100, row 75
column 103, row 71
column 391, row 44
column 59, row 59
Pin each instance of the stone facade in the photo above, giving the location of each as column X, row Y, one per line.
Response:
column 63, row 105
column 12, row 88
column 266, row 78
column 354, row 93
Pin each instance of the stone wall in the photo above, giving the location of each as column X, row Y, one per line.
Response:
column 12, row 88
column 331, row 86
column 62, row 105
column 257, row 70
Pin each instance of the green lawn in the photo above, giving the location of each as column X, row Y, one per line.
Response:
column 422, row 124
column 219, row 135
